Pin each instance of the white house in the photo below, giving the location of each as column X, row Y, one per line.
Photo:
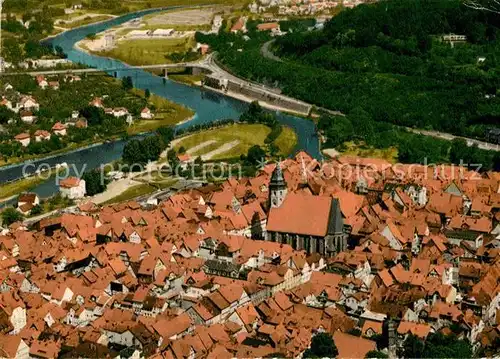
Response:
column 120, row 112
column 7, row 104
column 26, row 202
column 146, row 114
column 41, row 135
column 72, row 188
column 27, row 117
column 42, row 82
column 23, row 138
column 59, row 129
column 28, row 103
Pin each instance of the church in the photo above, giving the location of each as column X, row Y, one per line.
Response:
column 306, row 222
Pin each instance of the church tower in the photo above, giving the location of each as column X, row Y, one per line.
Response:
column 277, row 188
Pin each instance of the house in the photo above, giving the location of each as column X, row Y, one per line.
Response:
column 184, row 160
column 28, row 103
column 7, row 103
column 81, row 123
column 273, row 27
column 26, row 202
column 59, row 129
column 13, row 346
column 162, row 32
column 42, row 82
column 23, row 139
column 54, row 85
column 239, row 26
column 42, row 135
column 120, row 112
column 146, row 114
column 27, row 117
column 14, row 309
column 72, row 187
column 96, row 102
column 202, row 48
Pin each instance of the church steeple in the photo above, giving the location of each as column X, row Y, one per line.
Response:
column 277, row 187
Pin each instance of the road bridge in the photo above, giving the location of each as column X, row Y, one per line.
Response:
column 194, row 64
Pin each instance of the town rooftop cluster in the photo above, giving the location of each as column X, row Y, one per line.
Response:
column 256, row 267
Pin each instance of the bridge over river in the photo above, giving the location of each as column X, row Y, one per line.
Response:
column 208, row 105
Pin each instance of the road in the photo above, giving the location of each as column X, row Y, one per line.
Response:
column 448, row 136
column 199, row 64
column 267, row 53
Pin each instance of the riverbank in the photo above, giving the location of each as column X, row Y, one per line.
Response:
column 208, row 106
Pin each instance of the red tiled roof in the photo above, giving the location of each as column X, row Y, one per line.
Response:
column 69, row 182
column 301, row 214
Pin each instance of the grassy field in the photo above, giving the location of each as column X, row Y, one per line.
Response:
column 186, row 79
column 247, row 135
column 286, row 141
column 167, row 113
column 84, row 21
column 131, row 193
column 361, row 150
column 148, row 52
column 14, row 188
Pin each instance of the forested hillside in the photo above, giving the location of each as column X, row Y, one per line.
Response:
column 388, row 59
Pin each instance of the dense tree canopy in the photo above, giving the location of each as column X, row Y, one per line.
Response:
column 436, row 345
column 386, row 62
column 322, row 346
column 94, row 182
column 10, row 215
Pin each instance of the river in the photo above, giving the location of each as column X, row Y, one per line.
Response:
column 208, row 106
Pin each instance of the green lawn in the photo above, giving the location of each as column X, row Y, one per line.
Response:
column 84, row 21
column 186, row 79
column 286, row 141
column 20, row 186
column 131, row 193
column 167, row 113
column 148, row 52
column 248, row 135
column 360, row 149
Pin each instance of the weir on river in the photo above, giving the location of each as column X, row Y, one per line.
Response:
column 208, row 107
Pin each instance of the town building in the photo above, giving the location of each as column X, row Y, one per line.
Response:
column 23, row 138
column 310, row 223
column 59, row 129
column 72, row 188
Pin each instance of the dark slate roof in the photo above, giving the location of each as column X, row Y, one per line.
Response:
column 335, row 221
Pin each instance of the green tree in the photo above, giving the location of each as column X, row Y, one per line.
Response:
column 255, row 155
column 322, row 345
column 12, row 50
column 413, row 347
column 94, row 182
column 10, row 215
column 147, row 93
column 439, row 345
column 36, row 210
column 166, row 134
column 132, row 153
column 376, row 354
column 127, row 83
column 173, row 160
